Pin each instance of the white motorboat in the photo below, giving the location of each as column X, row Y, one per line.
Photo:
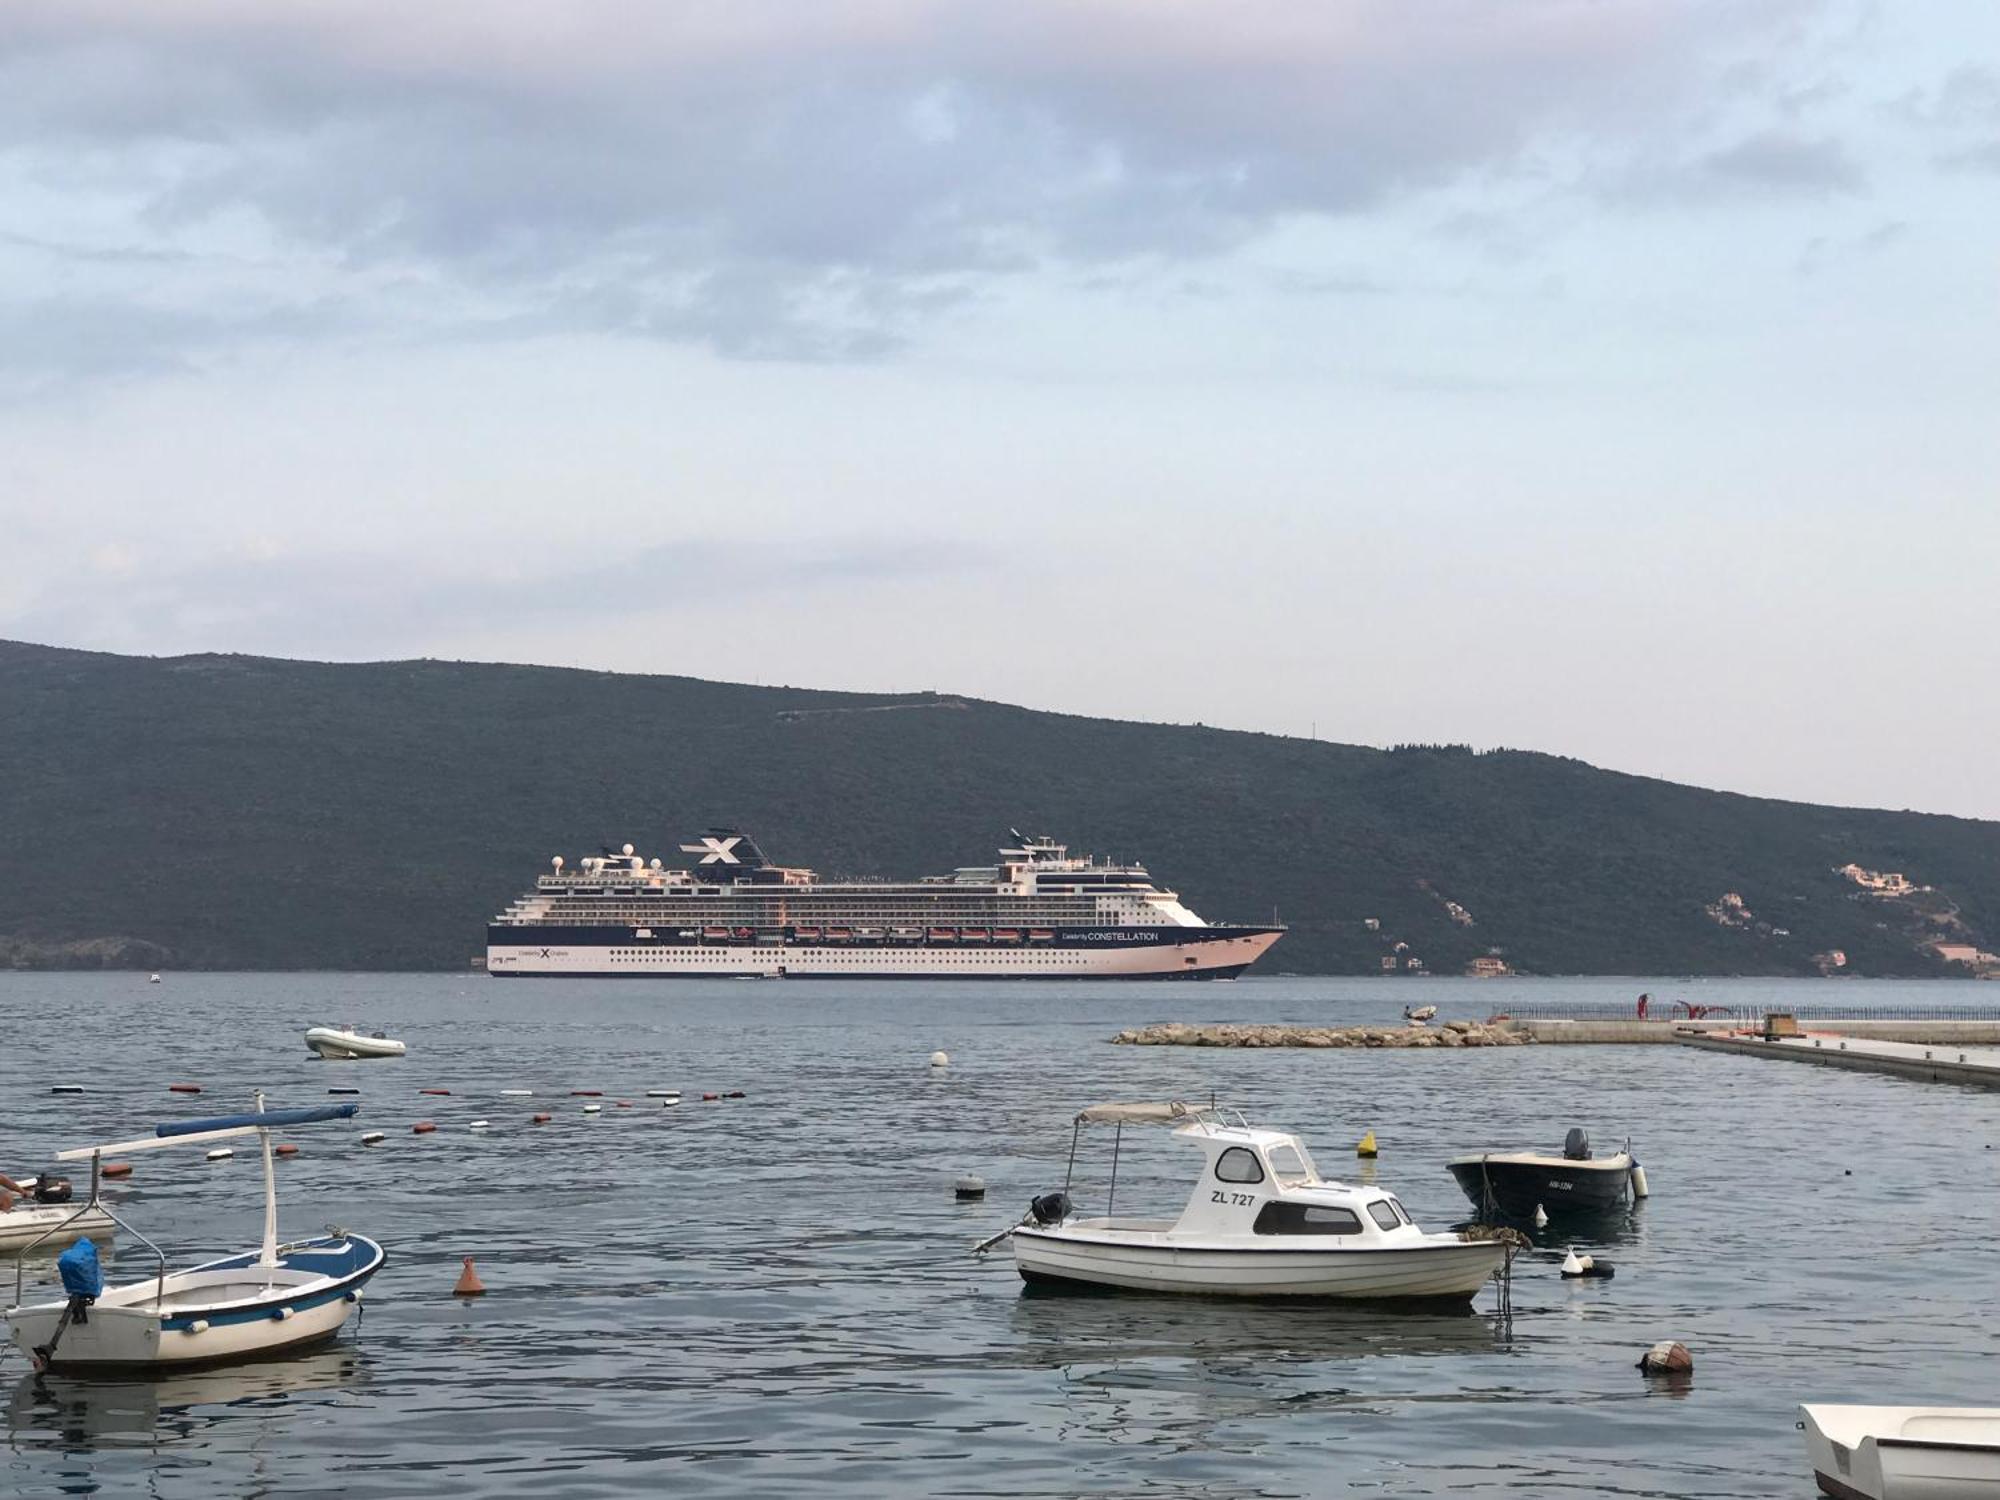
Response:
column 333, row 1042
column 1904, row 1452
column 1260, row 1222
column 29, row 1226
column 248, row 1306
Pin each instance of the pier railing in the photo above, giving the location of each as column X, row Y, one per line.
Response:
column 1745, row 1010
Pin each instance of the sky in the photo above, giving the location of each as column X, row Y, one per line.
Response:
column 1615, row 378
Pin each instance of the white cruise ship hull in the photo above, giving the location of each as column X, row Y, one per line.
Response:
column 1166, row 953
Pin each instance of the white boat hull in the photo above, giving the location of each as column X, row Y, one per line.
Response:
column 1452, row 1270
column 1904, row 1452
column 348, row 1045
column 25, row 1224
column 1158, row 956
column 224, row 1311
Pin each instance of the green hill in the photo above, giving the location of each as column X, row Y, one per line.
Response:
column 241, row 812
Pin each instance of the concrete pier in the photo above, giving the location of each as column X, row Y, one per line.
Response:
column 1945, row 1033
column 1976, row 1066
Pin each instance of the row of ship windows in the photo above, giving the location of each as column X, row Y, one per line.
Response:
column 868, row 959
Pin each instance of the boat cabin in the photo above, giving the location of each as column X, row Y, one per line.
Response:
column 1256, row 1184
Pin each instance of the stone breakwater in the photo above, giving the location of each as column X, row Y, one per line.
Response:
column 1446, row 1034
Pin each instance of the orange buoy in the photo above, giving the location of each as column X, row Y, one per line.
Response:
column 434, row 1091
column 622, row 1103
column 711, row 1096
column 422, row 1127
column 184, row 1088
column 116, row 1169
column 586, row 1093
column 543, row 1119
column 286, row 1150
column 469, row 1284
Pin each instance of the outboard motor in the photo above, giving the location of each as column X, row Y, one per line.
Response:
column 1050, row 1208
column 51, row 1190
column 1576, row 1145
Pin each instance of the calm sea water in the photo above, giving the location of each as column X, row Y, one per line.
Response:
column 773, row 1295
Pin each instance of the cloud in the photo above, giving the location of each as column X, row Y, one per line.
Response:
column 346, row 603
column 784, row 180
column 1778, row 161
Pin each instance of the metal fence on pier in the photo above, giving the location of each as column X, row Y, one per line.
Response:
column 1679, row 1010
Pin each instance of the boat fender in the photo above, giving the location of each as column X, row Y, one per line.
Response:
column 1639, row 1189
column 279, row 1314
column 199, row 1325
column 1049, row 1208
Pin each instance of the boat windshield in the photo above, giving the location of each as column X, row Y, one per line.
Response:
column 1290, row 1164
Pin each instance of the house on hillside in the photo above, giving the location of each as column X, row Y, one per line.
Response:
column 1486, row 966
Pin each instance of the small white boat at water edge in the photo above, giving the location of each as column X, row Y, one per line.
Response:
column 1260, row 1222
column 32, row 1226
column 248, row 1306
column 1904, row 1452
column 333, row 1042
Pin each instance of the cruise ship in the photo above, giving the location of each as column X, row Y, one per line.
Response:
column 1039, row 913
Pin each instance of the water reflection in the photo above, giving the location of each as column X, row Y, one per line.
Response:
column 1057, row 1326
column 61, row 1411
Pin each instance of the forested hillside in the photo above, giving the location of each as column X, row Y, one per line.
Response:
column 227, row 811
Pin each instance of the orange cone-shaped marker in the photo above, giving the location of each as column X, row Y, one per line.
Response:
column 469, row 1284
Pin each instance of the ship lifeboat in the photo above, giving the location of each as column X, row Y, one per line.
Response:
column 901, row 934
column 974, row 934
column 743, row 934
column 715, row 932
column 838, row 935
column 1006, row 935
column 807, row 934
column 1040, row 935
column 943, row 935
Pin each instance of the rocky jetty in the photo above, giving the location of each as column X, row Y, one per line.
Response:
column 1235, row 1034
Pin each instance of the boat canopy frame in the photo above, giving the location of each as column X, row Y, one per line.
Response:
column 187, row 1133
column 1142, row 1112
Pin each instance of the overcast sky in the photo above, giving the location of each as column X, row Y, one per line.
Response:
column 1611, row 377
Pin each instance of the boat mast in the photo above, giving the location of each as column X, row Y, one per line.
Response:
column 269, row 1258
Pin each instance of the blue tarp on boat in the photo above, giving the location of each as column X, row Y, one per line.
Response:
column 81, row 1274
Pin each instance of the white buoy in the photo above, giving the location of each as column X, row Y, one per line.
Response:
column 477, row 1125
column 221, row 1153
column 373, row 1138
column 969, row 1188
column 591, row 1109
column 152, row 979
column 940, row 1059
column 517, row 1093
column 1541, row 1217
column 67, row 1088
column 1574, row 1264
column 1639, row 1181
column 663, row 1093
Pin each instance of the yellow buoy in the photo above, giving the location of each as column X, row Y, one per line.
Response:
column 1367, row 1146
